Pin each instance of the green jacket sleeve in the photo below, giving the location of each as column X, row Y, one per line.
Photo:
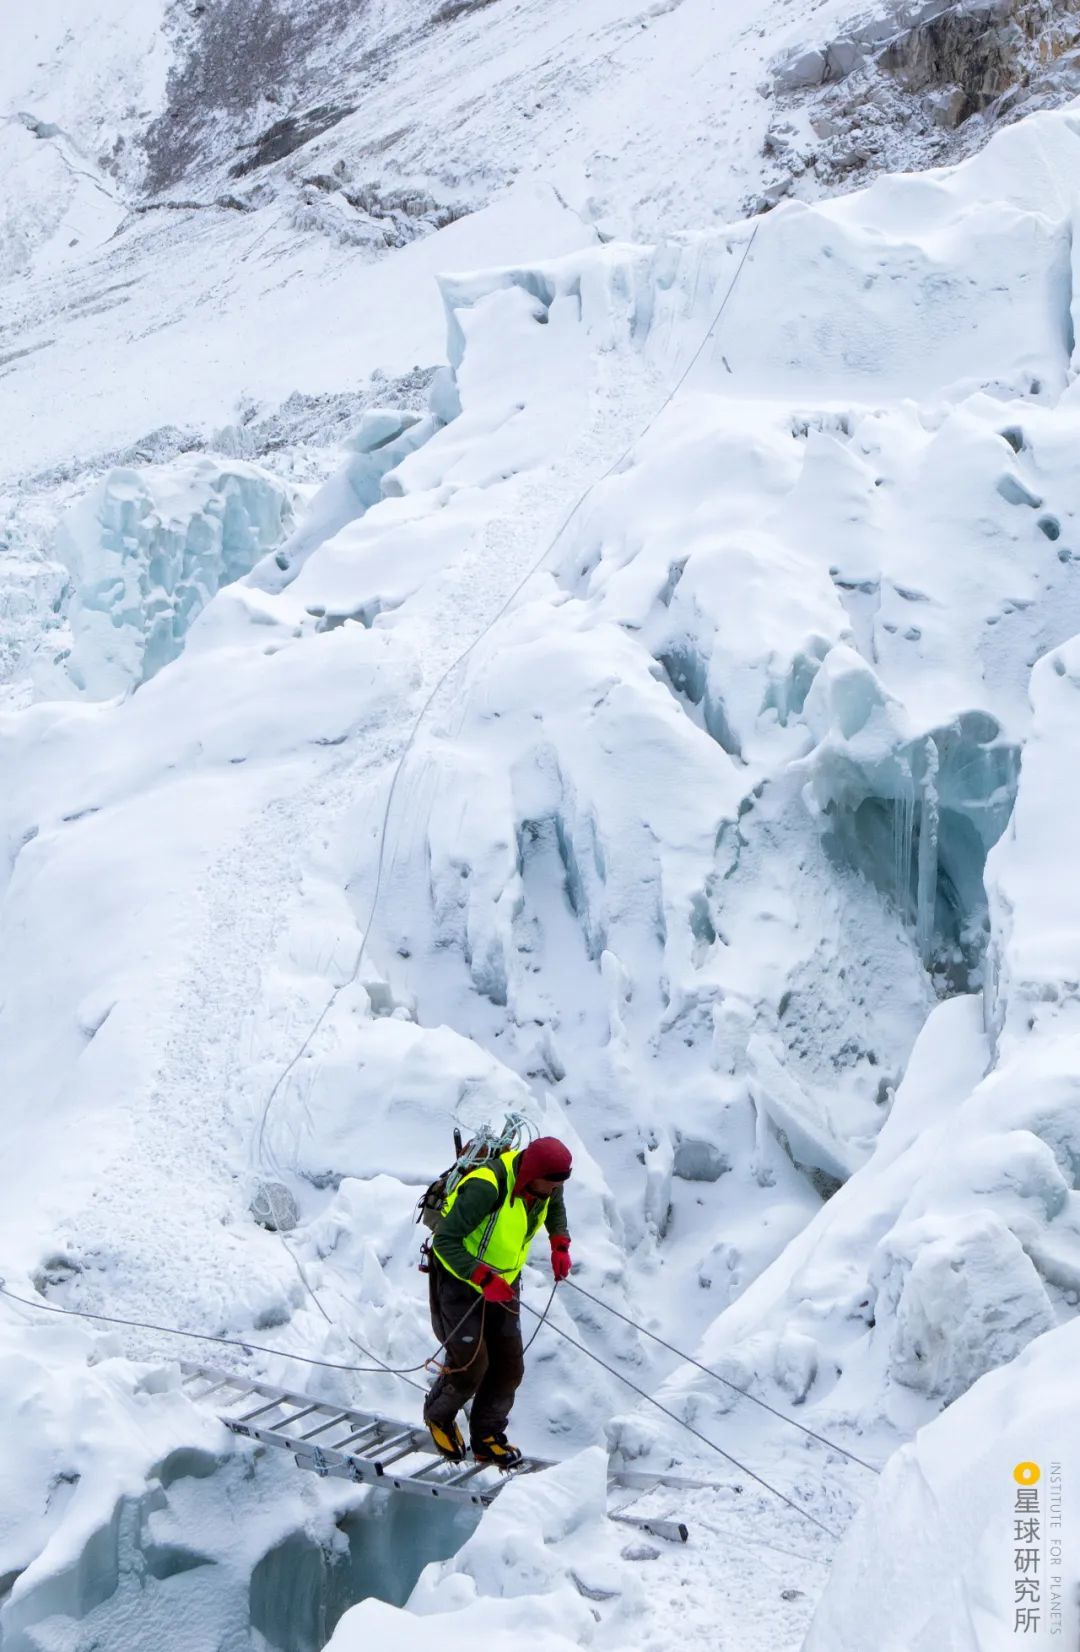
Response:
column 476, row 1200
column 555, row 1220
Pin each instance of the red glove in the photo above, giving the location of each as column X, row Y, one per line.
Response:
column 560, row 1255
column 493, row 1287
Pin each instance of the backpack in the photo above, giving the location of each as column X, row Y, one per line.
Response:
column 486, row 1144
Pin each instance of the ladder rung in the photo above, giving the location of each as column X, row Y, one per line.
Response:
column 430, row 1468
column 333, row 1423
column 193, row 1377
column 305, row 1411
column 224, row 1382
column 466, row 1474
column 392, row 1440
column 269, row 1405
column 398, row 1446
column 357, row 1434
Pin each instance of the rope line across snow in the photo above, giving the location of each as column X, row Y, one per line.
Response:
column 261, row 1153
column 244, row 1344
column 249, row 1347
column 690, row 1429
column 261, row 1133
column 690, row 1360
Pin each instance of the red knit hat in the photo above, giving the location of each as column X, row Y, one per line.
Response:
column 545, row 1159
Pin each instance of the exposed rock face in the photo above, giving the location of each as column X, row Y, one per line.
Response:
column 234, row 66
column 915, row 86
column 986, row 51
column 253, row 87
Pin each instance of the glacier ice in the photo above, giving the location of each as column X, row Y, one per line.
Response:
column 680, row 865
column 962, row 1297
column 302, row 1586
column 952, row 1491
column 383, row 438
column 915, row 814
column 146, row 550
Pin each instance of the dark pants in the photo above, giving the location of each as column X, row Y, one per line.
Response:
column 485, row 1354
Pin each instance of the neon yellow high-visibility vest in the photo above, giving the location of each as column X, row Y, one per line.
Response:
column 503, row 1238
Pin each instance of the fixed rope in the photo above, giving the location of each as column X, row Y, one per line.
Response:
column 248, row 1347
column 690, row 1360
column 402, row 1376
column 244, row 1344
column 542, row 1317
column 381, row 1368
column 773, row 1491
column 261, row 1154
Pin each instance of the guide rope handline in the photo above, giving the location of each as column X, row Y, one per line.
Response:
column 543, row 1318
column 690, row 1429
column 244, row 1344
column 249, row 1347
column 690, row 1360
column 581, row 500
column 261, row 1133
column 402, row 1376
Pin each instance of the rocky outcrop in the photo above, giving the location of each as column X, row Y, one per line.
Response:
column 972, row 56
column 915, row 85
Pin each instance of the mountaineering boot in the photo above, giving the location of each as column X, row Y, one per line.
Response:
column 494, row 1448
column 448, row 1441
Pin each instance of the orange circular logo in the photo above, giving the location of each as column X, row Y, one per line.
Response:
column 1027, row 1474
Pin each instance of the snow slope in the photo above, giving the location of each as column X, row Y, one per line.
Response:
column 955, row 1490
column 711, row 806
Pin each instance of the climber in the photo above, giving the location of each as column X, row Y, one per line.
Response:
column 478, row 1251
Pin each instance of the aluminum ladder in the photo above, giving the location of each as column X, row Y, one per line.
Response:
column 372, row 1450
